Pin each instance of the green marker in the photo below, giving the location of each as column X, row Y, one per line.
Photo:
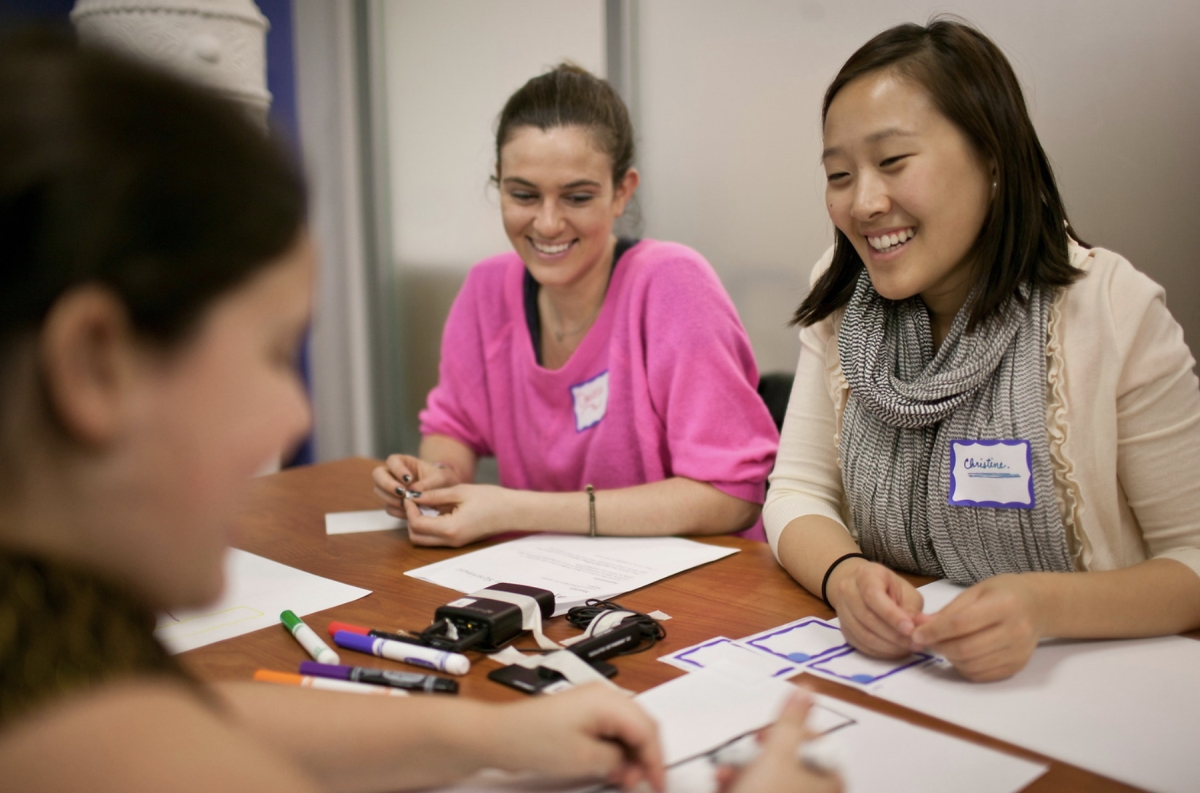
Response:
column 308, row 639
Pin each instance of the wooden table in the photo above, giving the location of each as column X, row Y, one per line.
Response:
column 735, row 596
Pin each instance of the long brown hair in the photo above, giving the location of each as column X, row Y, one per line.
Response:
column 1024, row 237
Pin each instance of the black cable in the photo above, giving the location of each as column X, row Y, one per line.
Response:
column 651, row 629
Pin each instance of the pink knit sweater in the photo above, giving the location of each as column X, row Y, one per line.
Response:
column 662, row 385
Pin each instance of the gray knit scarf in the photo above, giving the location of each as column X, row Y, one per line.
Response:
column 907, row 404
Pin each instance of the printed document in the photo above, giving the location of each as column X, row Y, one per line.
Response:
column 575, row 569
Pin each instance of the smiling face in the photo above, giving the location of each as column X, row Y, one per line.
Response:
column 559, row 203
column 907, row 189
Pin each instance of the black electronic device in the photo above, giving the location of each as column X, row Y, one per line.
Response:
column 621, row 639
column 476, row 621
column 529, row 681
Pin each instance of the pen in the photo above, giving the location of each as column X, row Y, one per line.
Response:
column 416, row 654
column 823, row 755
column 334, row 627
column 308, row 639
column 288, row 679
column 410, row 681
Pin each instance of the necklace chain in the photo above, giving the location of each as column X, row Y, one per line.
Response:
column 562, row 333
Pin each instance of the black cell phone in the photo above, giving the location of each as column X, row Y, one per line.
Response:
column 530, row 681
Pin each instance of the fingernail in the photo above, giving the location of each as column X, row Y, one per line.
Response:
column 406, row 479
column 400, row 492
column 906, row 628
column 412, row 494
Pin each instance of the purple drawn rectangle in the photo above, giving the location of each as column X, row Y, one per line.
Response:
column 917, row 660
column 788, row 629
column 791, row 668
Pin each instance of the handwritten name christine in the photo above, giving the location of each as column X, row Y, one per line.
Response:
column 988, row 464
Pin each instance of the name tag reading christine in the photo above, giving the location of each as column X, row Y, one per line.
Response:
column 997, row 474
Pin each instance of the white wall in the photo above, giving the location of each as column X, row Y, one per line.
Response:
column 450, row 66
column 730, row 97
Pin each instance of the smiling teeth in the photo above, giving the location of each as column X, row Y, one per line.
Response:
column 889, row 242
column 551, row 249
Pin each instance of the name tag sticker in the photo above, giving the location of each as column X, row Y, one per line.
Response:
column 591, row 401
column 997, row 474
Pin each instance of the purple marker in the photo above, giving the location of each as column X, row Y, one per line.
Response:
column 410, row 681
column 415, row 654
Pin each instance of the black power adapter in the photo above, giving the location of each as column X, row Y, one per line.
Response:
column 479, row 622
column 621, row 639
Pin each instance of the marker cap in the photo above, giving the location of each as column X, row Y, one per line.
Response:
column 335, row 626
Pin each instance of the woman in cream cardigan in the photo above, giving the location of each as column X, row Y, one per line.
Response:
column 979, row 396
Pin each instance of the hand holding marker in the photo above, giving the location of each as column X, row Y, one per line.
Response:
column 308, row 639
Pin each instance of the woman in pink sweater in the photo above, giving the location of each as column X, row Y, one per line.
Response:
column 611, row 379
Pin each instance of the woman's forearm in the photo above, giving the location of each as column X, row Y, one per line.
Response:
column 809, row 545
column 1157, row 597
column 446, row 451
column 672, row 506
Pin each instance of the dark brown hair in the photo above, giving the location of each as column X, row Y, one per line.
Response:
column 1024, row 236
column 118, row 175
column 571, row 96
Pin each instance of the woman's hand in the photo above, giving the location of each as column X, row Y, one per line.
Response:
column 778, row 766
column 988, row 632
column 466, row 513
column 877, row 609
column 593, row 731
column 402, row 473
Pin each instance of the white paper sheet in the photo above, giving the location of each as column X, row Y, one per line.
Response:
column 256, row 591
column 365, row 520
column 886, row 754
column 702, row 711
column 573, row 568
column 1129, row 710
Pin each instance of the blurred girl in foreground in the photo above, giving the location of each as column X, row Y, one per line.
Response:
column 155, row 285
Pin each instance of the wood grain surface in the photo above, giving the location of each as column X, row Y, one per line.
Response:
column 742, row 594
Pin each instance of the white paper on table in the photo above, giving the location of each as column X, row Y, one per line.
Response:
column 256, row 591
column 701, row 711
column 886, row 754
column 1129, row 710
column 722, row 649
column 364, row 520
column 575, row 569
column 704, row 710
